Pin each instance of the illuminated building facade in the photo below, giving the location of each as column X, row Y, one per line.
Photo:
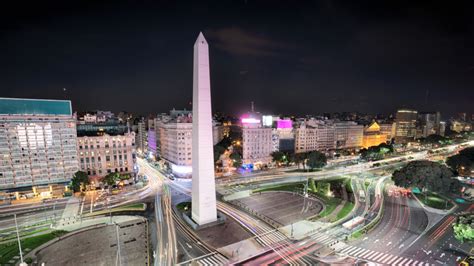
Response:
column 103, row 154
column 348, row 134
column 405, row 125
column 373, row 135
column 257, row 143
column 141, row 137
column 37, row 142
column 176, row 144
column 429, row 123
column 314, row 134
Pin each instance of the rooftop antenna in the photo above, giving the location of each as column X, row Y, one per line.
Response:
column 251, row 106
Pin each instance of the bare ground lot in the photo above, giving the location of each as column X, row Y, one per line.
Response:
column 283, row 207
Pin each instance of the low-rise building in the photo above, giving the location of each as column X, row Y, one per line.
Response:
column 373, row 135
column 103, row 154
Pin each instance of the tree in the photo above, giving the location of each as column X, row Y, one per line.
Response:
column 218, row 151
column 221, row 147
column 426, row 175
column 79, row 181
column 375, row 153
column 278, row 157
column 111, row 178
column 463, row 228
column 316, row 159
column 463, row 162
column 434, row 139
column 237, row 159
column 300, row 158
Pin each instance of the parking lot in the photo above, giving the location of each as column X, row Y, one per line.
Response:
column 281, row 207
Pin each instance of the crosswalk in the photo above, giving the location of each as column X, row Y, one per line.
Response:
column 365, row 254
column 271, row 237
column 212, row 259
column 378, row 257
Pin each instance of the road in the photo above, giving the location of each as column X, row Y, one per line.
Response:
column 438, row 245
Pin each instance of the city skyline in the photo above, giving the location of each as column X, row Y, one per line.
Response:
column 334, row 133
column 322, row 57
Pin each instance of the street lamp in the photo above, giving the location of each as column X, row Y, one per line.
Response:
column 22, row 263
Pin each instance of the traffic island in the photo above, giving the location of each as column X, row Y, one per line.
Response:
column 223, row 232
column 185, row 209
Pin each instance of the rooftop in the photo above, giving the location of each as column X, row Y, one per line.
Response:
column 17, row 106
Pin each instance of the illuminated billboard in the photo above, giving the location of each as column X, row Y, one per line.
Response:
column 247, row 119
column 284, row 123
column 250, row 121
column 267, row 120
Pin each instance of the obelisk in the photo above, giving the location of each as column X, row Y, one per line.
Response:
column 204, row 188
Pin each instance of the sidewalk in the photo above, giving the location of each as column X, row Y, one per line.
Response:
column 81, row 223
column 72, row 209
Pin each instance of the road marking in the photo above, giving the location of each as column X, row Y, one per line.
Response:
column 355, row 251
column 385, row 258
column 403, row 261
column 366, row 254
column 408, row 263
column 377, row 257
column 395, row 262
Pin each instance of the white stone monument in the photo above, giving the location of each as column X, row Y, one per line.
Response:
column 204, row 189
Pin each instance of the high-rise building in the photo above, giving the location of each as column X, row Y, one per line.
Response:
column 142, row 137
column 405, row 125
column 428, row 124
column 37, row 142
column 348, row 134
column 387, row 129
column 204, row 208
column 103, row 154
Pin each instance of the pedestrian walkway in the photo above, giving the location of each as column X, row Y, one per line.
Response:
column 71, row 211
column 375, row 256
column 212, row 259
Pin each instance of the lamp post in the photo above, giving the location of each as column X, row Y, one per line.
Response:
column 118, row 260
column 22, row 263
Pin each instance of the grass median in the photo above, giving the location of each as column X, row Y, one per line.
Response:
column 434, row 200
column 9, row 250
column 136, row 207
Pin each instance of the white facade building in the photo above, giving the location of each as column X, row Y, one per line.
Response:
column 348, row 134
column 257, row 144
column 37, row 142
column 313, row 135
column 100, row 155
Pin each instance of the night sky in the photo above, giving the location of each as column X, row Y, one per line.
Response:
column 289, row 57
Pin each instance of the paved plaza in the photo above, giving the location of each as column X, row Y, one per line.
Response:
column 98, row 246
column 282, row 207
